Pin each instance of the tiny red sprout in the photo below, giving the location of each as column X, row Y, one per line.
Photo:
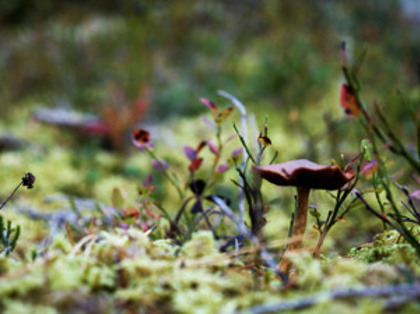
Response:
column 213, row 148
column 264, row 221
column 236, row 153
column 211, row 105
column 141, row 139
column 200, row 146
column 160, row 165
column 224, row 114
column 351, row 162
column 222, row 168
column 144, row 226
column 147, row 188
column 415, row 194
column 131, row 213
column 370, row 168
column 95, row 127
column 146, row 191
column 265, row 140
column 148, row 181
column 195, row 164
column 349, row 102
column 151, row 214
column 190, row 153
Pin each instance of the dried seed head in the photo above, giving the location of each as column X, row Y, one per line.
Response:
column 28, row 180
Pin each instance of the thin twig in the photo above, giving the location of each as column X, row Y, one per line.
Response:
column 374, row 212
column 322, row 236
column 244, row 230
column 242, row 110
column 11, row 195
column 410, row 292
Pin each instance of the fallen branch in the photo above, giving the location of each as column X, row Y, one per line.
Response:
column 400, row 292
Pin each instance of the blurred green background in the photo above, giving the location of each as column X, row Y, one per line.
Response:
column 280, row 58
column 283, row 54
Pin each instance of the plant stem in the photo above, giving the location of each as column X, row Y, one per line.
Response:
column 165, row 172
column 11, row 195
column 242, row 110
column 317, row 251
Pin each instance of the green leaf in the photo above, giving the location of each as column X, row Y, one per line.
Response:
column 315, row 213
column 366, row 147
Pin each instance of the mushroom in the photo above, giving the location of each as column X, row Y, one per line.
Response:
column 305, row 175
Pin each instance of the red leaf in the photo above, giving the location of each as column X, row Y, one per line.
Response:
column 160, row 165
column 370, row 168
column 236, row 153
column 224, row 114
column 151, row 214
column 349, row 102
column 147, row 188
column 213, row 148
column 131, row 213
column 265, row 140
column 200, row 146
column 190, row 152
column 211, row 105
column 415, row 194
column 222, row 168
column 195, row 164
column 148, row 181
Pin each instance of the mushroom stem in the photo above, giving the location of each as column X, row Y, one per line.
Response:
column 299, row 227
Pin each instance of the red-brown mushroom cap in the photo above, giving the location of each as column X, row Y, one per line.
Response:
column 305, row 173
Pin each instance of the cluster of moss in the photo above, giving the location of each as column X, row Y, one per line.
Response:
column 390, row 248
column 124, row 270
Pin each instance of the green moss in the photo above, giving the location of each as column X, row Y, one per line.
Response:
column 22, row 282
column 201, row 244
column 19, row 307
column 66, row 273
column 388, row 247
column 163, row 249
column 61, row 243
column 98, row 277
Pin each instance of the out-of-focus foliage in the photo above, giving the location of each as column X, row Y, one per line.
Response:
column 93, row 229
column 281, row 53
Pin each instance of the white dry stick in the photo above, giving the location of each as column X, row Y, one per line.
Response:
column 242, row 110
column 265, row 256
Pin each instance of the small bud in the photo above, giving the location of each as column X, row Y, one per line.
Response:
column 28, row 180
